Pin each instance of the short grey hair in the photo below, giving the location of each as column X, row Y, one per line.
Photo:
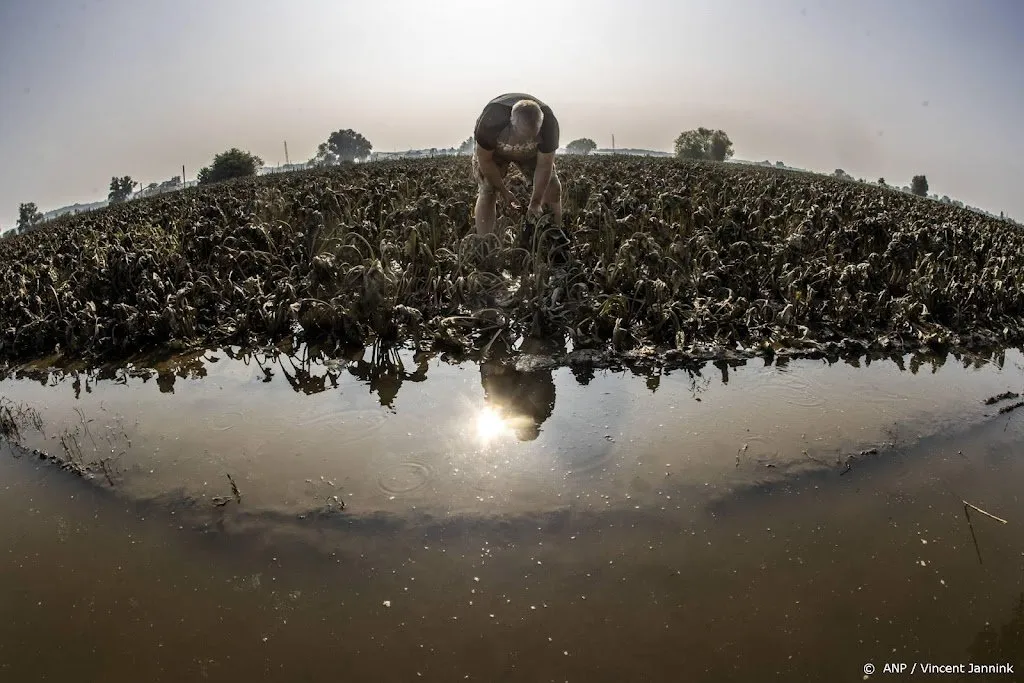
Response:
column 527, row 114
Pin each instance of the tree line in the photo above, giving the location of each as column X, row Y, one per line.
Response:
column 342, row 146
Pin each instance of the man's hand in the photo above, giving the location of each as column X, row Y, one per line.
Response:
column 535, row 209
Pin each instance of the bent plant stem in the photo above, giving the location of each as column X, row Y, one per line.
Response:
column 106, row 471
column 234, row 489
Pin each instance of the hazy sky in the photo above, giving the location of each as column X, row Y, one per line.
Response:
column 888, row 88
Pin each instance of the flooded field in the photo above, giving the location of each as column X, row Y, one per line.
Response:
column 399, row 516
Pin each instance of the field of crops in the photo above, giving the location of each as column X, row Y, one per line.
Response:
column 685, row 259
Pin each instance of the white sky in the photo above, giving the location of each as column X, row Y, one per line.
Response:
column 93, row 89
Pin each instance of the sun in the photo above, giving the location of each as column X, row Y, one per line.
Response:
column 490, row 425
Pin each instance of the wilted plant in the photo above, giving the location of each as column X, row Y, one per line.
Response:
column 660, row 254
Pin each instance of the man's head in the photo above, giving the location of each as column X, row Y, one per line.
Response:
column 527, row 118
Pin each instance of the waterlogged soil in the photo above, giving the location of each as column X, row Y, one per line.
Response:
column 401, row 516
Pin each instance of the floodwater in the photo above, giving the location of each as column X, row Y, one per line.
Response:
column 399, row 516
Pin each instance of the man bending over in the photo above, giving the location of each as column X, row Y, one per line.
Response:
column 520, row 129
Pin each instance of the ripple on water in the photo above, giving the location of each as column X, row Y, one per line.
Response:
column 791, row 387
column 404, row 478
column 222, row 421
column 754, row 449
column 342, row 424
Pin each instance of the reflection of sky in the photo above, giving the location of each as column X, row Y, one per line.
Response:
column 442, row 442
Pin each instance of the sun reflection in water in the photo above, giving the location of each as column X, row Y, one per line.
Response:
column 490, row 425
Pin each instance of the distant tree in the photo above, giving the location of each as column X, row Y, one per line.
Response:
column 342, row 145
column 324, row 156
column 721, row 146
column 780, row 164
column 120, row 189
column 919, row 186
column 840, row 173
column 704, row 143
column 581, row 146
column 881, row 181
column 467, row 145
column 28, row 216
column 233, row 163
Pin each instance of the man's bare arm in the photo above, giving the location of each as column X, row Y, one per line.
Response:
column 491, row 172
column 542, row 176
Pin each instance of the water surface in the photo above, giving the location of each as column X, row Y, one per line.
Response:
column 400, row 516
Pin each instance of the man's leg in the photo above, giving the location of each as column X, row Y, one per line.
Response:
column 553, row 197
column 486, row 201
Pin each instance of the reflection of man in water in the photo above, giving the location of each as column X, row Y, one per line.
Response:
column 524, row 399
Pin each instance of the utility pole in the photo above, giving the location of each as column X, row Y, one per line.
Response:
column 183, row 176
column 613, row 143
column 286, row 162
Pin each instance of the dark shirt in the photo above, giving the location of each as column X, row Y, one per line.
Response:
column 495, row 123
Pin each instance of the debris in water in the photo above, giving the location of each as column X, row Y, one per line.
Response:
column 1001, row 397
column 1012, row 406
column 234, row 489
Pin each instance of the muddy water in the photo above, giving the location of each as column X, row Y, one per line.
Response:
column 406, row 518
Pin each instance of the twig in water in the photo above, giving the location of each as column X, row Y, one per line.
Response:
column 234, row 489
column 106, row 472
column 987, row 514
column 85, row 424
